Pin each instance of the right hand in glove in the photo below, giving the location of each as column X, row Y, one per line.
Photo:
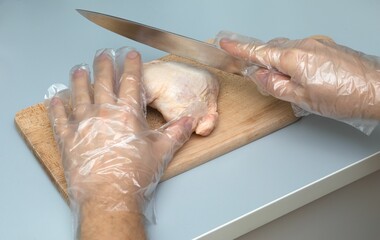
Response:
column 317, row 75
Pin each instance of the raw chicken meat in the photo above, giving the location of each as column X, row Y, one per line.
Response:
column 172, row 87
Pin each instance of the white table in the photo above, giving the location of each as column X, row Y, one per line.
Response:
column 235, row 193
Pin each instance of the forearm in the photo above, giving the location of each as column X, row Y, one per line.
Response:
column 98, row 223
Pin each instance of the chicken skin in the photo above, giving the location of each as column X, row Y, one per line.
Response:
column 172, row 88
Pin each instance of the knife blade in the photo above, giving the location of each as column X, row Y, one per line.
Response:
column 169, row 42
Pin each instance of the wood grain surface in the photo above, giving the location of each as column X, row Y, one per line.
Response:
column 244, row 116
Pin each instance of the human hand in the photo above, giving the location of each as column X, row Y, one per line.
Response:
column 316, row 75
column 112, row 160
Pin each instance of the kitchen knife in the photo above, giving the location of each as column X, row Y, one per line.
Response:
column 201, row 52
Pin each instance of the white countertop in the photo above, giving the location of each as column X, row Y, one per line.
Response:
column 41, row 40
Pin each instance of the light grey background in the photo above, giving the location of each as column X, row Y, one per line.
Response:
column 41, row 40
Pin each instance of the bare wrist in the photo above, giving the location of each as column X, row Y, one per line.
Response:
column 100, row 219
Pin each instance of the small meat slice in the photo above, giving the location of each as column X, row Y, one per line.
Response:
column 172, row 87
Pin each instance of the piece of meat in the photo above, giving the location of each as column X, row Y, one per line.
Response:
column 172, row 87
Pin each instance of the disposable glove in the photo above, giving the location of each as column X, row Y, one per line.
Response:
column 315, row 74
column 112, row 160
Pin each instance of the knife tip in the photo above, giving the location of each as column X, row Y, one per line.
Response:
column 81, row 11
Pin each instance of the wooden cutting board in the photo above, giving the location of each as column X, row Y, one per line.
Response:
column 244, row 115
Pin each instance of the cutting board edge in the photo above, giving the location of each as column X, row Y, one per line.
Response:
column 56, row 181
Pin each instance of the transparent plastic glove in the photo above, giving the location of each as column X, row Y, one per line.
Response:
column 112, row 160
column 315, row 74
